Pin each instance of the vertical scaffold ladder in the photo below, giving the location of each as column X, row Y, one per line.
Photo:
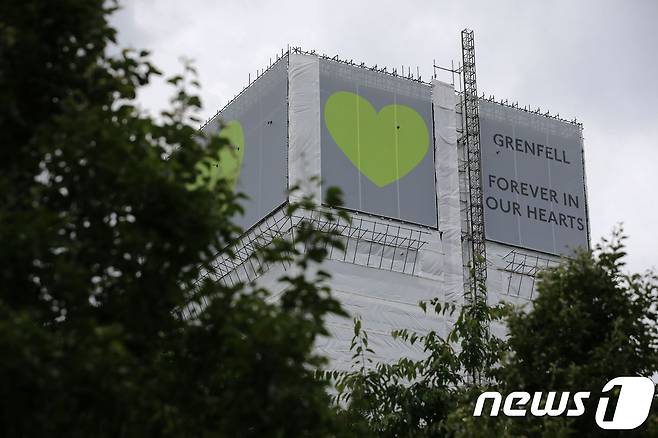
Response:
column 474, row 168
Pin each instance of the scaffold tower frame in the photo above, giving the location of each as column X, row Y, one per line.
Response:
column 474, row 167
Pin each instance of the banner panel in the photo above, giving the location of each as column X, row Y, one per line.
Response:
column 377, row 142
column 256, row 123
column 533, row 179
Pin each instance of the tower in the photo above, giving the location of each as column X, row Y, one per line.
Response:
column 427, row 203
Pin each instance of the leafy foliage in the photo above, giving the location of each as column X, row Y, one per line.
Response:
column 105, row 233
column 106, row 227
column 589, row 323
column 416, row 398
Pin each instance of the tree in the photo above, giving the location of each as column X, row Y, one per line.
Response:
column 105, row 231
column 420, row 398
column 589, row 323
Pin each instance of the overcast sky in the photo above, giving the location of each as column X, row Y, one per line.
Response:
column 594, row 60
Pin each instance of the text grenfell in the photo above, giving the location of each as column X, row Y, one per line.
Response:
column 532, row 148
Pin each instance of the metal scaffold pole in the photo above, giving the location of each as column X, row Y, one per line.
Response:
column 474, row 167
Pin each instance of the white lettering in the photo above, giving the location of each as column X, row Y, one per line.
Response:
column 522, row 397
column 495, row 404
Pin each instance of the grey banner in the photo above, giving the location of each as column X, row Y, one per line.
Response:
column 262, row 112
column 533, row 179
column 376, row 142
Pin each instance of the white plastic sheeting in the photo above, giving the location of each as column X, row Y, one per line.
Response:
column 304, row 124
column 447, row 188
column 384, row 301
column 509, row 276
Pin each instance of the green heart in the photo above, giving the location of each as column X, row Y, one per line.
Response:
column 227, row 163
column 230, row 158
column 384, row 145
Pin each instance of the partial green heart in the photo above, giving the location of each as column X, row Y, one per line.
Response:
column 386, row 145
column 227, row 163
column 230, row 158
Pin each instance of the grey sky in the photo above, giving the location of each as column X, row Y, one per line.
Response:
column 595, row 60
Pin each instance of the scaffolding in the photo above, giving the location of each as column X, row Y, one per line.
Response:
column 471, row 139
column 522, row 269
column 377, row 242
column 367, row 242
